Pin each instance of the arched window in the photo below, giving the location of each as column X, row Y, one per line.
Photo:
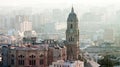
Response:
column 32, row 60
column 20, row 60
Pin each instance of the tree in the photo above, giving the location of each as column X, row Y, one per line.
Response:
column 106, row 62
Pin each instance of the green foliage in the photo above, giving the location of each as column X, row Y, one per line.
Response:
column 106, row 62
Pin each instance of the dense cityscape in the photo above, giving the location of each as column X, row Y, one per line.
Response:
column 69, row 37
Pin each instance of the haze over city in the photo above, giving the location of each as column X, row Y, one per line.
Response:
column 59, row 33
column 57, row 3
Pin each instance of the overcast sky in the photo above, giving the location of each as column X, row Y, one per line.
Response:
column 57, row 3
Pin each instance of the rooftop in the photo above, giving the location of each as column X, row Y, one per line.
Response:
column 30, row 47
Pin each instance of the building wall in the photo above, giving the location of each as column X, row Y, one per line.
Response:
column 25, row 26
column 26, row 55
column 32, row 55
column 56, row 53
column 5, row 56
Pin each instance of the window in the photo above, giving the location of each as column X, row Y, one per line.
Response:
column 12, row 61
column 71, row 26
column 71, row 39
column 20, row 62
column 32, row 62
column 12, row 56
column 41, row 61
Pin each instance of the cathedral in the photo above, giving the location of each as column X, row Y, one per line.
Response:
column 72, row 36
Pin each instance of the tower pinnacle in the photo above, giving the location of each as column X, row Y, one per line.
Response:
column 72, row 16
column 72, row 10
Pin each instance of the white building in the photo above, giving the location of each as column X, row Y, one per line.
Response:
column 61, row 63
column 25, row 26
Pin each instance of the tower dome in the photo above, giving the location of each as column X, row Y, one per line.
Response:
column 72, row 16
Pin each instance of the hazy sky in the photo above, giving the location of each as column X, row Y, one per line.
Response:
column 57, row 3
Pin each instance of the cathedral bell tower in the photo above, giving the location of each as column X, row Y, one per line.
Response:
column 72, row 36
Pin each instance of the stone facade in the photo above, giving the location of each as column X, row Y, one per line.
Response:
column 56, row 53
column 32, row 55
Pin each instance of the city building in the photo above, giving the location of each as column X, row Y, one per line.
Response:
column 6, row 39
column 4, row 54
column 18, row 18
column 25, row 26
column 28, row 55
column 62, row 63
column 29, row 37
column 109, row 35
